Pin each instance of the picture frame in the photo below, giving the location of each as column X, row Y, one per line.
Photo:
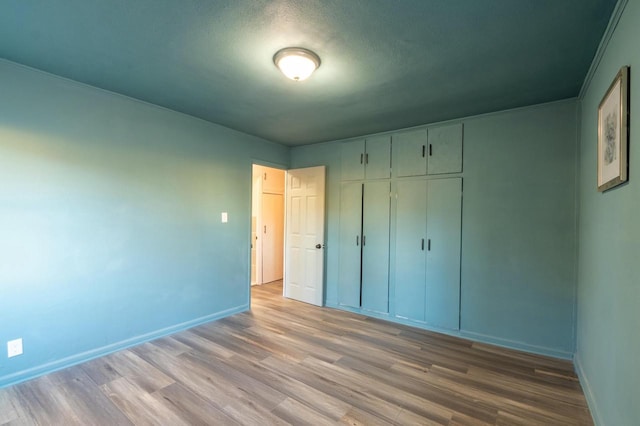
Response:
column 613, row 133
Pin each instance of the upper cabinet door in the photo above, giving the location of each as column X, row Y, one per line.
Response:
column 272, row 180
column 409, row 153
column 378, row 157
column 445, row 149
column 353, row 160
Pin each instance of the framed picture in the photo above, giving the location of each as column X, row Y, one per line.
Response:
column 613, row 133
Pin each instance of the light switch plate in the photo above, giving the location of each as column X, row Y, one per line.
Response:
column 14, row 348
column 225, row 217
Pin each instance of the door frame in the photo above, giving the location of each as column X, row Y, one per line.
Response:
column 263, row 163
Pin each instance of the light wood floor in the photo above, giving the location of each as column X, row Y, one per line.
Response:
column 287, row 362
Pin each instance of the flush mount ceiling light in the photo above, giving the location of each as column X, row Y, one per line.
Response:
column 296, row 63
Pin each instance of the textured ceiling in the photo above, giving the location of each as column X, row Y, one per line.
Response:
column 385, row 64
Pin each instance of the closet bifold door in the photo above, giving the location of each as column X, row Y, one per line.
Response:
column 375, row 246
column 349, row 266
column 444, row 224
column 410, row 249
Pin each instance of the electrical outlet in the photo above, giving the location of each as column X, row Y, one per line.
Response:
column 14, row 348
column 224, row 217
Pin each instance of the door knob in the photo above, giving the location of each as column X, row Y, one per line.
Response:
column 318, row 246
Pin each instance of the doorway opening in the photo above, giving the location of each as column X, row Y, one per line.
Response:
column 267, row 225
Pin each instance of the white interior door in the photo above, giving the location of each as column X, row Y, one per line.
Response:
column 272, row 236
column 304, row 236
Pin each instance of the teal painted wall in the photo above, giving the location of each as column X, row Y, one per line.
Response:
column 110, row 227
column 518, row 234
column 608, row 331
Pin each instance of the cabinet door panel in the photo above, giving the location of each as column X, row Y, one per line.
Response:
column 411, row 229
column 273, row 181
column 378, row 157
column 444, row 216
column 350, row 244
column 352, row 154
column 409, row 153
column 375, row 249
column 445, row 149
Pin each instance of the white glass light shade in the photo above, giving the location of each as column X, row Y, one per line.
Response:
column 296, row 63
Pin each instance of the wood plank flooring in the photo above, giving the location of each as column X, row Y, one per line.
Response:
column 286, row 362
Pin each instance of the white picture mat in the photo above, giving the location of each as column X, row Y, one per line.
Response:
column 610, row 108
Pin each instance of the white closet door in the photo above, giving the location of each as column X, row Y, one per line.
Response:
column 272, row 237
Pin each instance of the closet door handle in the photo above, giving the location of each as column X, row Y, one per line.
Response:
column 357, row 240
column 430, row 150
column 361, row 157
column 422, row 245
column 423, row 151
column 429, row 244
column 364, row 240
column 366, row 158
